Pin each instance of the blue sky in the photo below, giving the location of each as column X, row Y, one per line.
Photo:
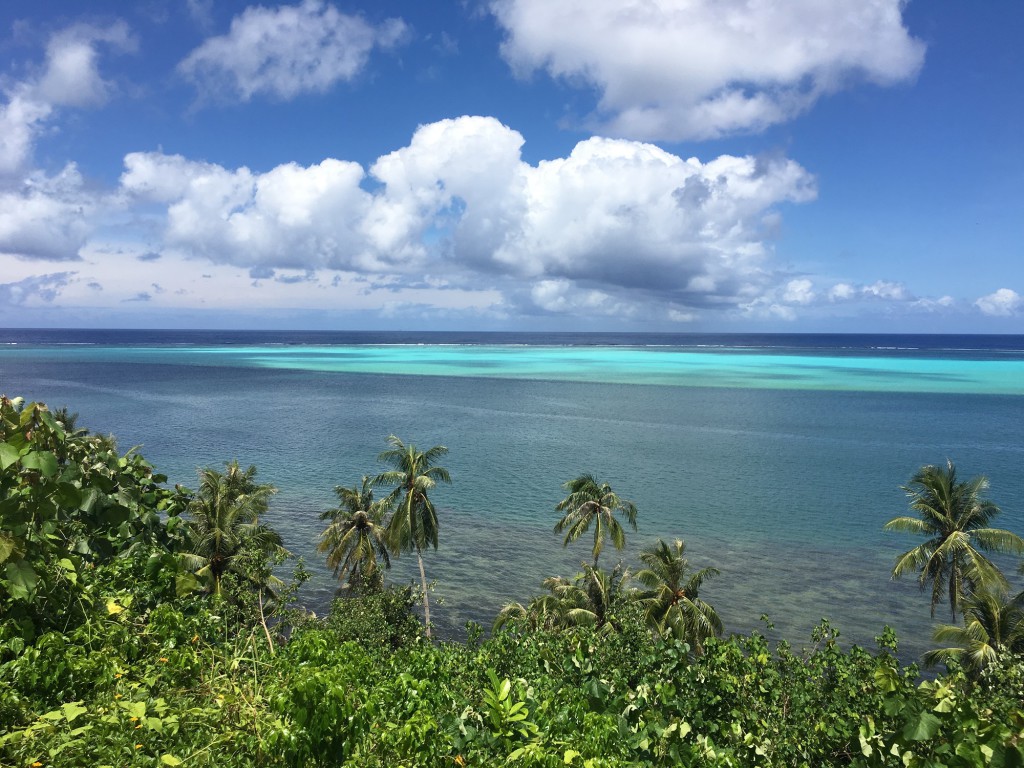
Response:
column 671, row 165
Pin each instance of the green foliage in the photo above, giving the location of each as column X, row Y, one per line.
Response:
column 955, row 518
column 993, row 625
column 380, row 620
column 592, row 503
column 355, row 539
column 69, row 502
column 672, row 601
column 103, row 663
column 224, row 534
column 413, row 525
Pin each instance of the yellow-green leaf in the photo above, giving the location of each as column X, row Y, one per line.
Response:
column 72, row 710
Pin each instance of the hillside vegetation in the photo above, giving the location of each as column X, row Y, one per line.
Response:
column 143, row 625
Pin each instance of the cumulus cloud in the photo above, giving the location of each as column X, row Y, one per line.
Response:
column 290, row 216
column 46, row 217
column 565, row 297
column 799, row 292
column 880, row 289
column 614, row 225
column 1004, row 302
column 699, row 69
column 285, row 51
column 70, row 78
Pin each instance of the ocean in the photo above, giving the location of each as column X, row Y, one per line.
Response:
column 777, row 458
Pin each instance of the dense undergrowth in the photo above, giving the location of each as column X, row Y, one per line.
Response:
column 112, row 653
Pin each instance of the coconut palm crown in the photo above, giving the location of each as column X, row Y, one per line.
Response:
column 671, row 600
column 592, row 503
column 993, row 624
column 224, row 524
column 593, row 598
column 413, row 525
column 955, row 518
column 355, row 540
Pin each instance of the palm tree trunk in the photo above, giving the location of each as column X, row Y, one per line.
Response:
column 426, row 602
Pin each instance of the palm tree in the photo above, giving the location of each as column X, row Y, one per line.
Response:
column 591, row 599
column 70, row 422
column 354, row 540
column 224, row 524
column 955, row 517
column 590, row 502
column 673, row 607
column 993, row 623
column 414, row 523
column 542, row 612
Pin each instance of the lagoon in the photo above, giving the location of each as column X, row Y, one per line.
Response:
column 777, row 458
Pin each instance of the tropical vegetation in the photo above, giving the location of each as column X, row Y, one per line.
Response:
column 118, row 649
column 590, row 503
column 413, row 525
column 355, row 541
column 955, row 517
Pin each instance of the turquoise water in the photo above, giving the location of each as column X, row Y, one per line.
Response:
column 600, row 364
column 777, row 462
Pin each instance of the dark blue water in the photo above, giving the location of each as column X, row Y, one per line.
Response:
column 784, row 490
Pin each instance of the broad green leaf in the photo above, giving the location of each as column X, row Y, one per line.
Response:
column 43, row 461
column 184, row 583
column 8, row 455
column 72, row 710
column 113, row 608
column 169, row 760
column 946, row 704
column 47, row 418
column 68, row 496
column 88, row 499
column 922, row 727
column 6, row 547
column 134, row 708
column 570, row 755
column 21, row 580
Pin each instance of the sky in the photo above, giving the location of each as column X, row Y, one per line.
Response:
column 634, row 165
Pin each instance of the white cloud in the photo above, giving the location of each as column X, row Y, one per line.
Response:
column 459, row 179
column 880, row 289
column 617, row 224
column 20, row 120
column 70, row 78
column 565, row 297
column 47, row 218
column 288, row 217
column 698, row 69
column 286, row 51
column 633, row 216
column 1004, row 302
column 841, row 292
column 799, row 292
column 941, row 304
